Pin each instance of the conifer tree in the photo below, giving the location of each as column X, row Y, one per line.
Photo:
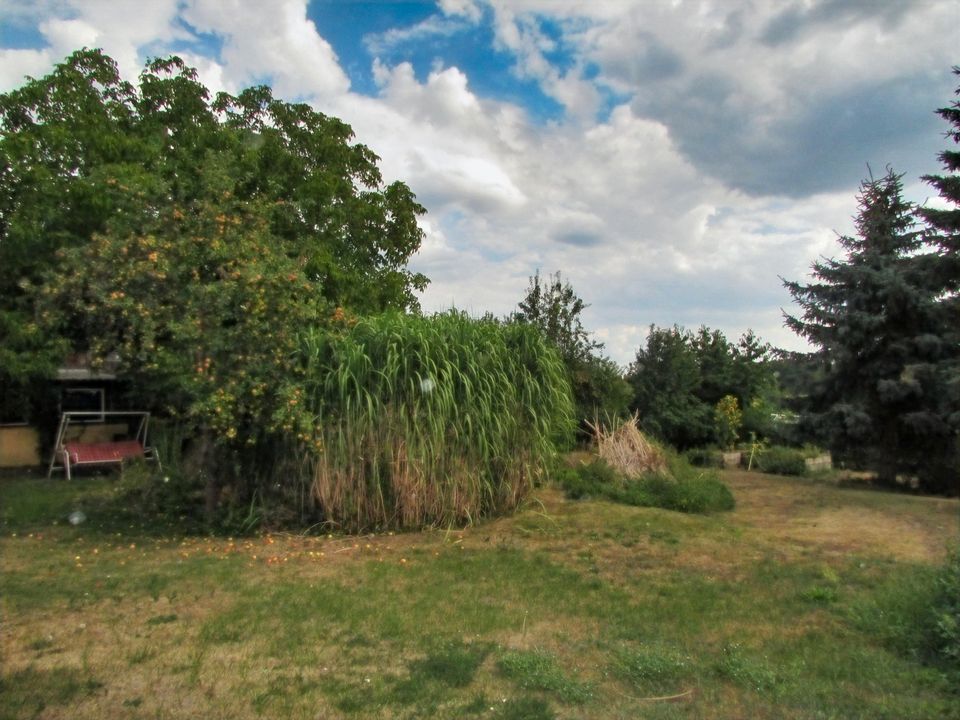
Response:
column 944, row 223
column 943, row 231
column 876, row 318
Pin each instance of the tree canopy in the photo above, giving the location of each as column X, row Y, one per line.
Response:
column 553, row 306
column 679, row 377
column 193, row 235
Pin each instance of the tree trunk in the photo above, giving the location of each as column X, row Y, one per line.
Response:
column 887, row 454
column 199, row 464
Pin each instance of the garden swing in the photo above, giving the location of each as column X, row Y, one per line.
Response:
column 85, row 438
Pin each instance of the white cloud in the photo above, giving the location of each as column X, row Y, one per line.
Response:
column 469, row 9
column 15, row 64
column 521, row 35
column 123, row 30
column 65, row 36
column 273, row 42
column 721, row 167
column 433, row 27
column 439, row 138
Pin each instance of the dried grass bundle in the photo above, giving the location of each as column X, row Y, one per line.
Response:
column 627, row 450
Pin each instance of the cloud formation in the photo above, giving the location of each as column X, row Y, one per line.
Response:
column 702, row 150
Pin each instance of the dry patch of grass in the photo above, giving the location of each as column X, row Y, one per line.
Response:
column 565, row 610
column 812, row 516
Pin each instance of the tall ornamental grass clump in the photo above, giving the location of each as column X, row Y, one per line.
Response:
column 430, row 420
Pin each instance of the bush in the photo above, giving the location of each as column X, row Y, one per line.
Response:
column 694, row 489
column 704, row 457
column 780, row 460
column 416, row 421
column 682, row 487
column 255, row 487
column 588, row 480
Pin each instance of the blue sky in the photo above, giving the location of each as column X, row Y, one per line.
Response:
column 672, row 159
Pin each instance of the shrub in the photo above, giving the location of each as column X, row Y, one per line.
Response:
column 588, row 480
column 430, row 420
column 780, row 460
column 256, row 486
column 693, row 489
column 681, row 487
column 704, row 457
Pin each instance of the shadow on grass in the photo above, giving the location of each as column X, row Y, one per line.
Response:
column 103, row 503
column 31, row 691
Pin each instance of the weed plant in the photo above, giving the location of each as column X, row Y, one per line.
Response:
column 739, row 667
column 430, row 420
column 525, row 708
column 539, row 670
column 946, row 611
column 920, row 616
column 654, row 669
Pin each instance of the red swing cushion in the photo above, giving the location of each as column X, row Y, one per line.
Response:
column 106, row 452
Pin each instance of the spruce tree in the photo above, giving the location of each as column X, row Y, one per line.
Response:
column 876, row 319
column 944, row 223
column 943, row 232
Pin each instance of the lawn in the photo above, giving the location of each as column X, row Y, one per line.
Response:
column 569, row 609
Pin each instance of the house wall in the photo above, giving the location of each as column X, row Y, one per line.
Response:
column 19, row 446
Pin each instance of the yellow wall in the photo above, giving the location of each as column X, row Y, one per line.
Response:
column 19, row 446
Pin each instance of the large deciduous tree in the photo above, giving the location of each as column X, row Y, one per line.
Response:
column 876, row 319
column 192, row 235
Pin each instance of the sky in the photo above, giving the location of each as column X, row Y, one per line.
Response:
column 673, row 160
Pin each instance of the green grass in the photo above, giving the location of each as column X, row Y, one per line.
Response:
column 454, row 663
column 539, row 670
column 653, row 669
column 569, row 609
